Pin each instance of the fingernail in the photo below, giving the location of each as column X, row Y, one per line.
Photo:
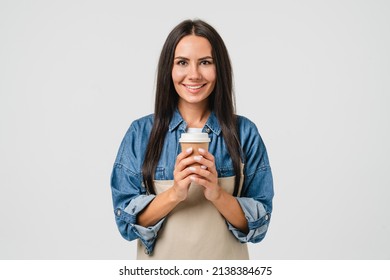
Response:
column 203, row 167
column 201, row 150
column 191, row 168
column 197, row 158
column 192, row 178
column 189, row 150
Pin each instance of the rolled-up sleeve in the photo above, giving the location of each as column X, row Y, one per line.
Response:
column 257, row 208
column 129, row 200
column 257, row 218
column 129, row 196
column 257, row 190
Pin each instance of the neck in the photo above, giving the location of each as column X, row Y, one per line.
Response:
column 195, row 116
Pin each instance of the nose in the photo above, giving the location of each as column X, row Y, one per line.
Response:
column 193, row 72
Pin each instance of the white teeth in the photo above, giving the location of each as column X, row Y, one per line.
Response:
column 194, row 87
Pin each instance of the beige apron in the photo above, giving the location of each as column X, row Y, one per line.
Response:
column 195, row 229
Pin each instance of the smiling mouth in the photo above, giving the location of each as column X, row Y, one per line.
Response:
column 194, row 87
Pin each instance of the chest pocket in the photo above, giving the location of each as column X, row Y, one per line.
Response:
column 160, row 174
column 228, row 172
column 225, row 172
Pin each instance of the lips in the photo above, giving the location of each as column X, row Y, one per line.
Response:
column 194, row 87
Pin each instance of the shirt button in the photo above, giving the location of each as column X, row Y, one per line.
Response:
column 266, row 217
column 207, row 130
column 147, row 251
column 118, row 212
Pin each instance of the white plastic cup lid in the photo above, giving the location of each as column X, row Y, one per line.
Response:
column 198, row 137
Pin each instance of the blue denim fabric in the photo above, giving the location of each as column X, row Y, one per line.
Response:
column 130, row 196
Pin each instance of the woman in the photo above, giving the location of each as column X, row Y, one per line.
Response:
column 177, row 210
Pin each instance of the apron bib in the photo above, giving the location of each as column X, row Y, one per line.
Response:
column 195, row 230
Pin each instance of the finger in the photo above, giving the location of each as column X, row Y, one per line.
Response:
column 182, row 183
column 181, row 157
column 209, row 164
column 185, row 182
column 204, row 167
column 184, row 154
column 185, row 172
column 200, row 181
column 184, row 163
column 206, row 154
column 201, row 171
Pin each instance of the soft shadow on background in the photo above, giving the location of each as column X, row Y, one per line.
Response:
column 313, row 76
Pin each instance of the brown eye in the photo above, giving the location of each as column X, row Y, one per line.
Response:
column 181, row 62
column 206, row 62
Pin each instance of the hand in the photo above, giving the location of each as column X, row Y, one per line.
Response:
column 206, row 175
column 181, row 175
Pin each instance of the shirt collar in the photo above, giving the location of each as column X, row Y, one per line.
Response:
column 177, row 121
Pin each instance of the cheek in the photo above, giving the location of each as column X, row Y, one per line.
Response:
column 210, row 75
column 177, row 74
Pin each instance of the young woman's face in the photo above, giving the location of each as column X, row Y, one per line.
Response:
column 193, row 72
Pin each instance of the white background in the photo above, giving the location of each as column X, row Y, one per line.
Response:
column 313, row 75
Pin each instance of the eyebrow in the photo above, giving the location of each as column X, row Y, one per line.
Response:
column 185, row 58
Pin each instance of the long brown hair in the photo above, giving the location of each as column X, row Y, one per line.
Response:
column 221, row 101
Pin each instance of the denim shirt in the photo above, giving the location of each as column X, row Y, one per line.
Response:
column 130, row 196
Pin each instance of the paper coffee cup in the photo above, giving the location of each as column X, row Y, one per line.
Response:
column 195, row 140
